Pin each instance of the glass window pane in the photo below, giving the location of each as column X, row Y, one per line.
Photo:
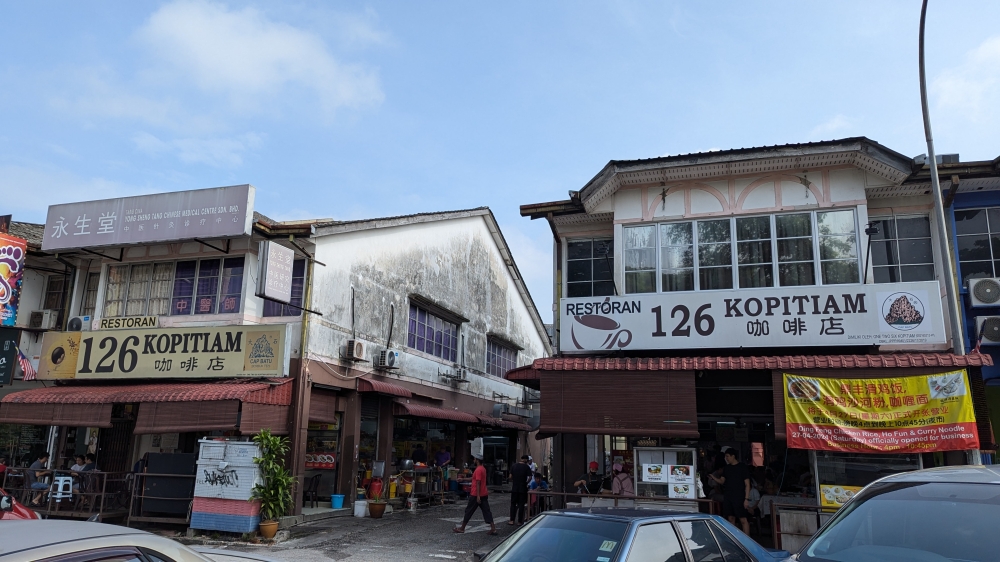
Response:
column 675, row 257
column 602, row 269
column 972, row 221
column 917, row 272
column 656, row 543
column 637, row 260
column 713, row 231
column 578, row 289
column 753, row 228
column 700, row 541
column 914, row 227
column 790, row 226
column 603, row 289
column 754, row 252
column 579, row 249
column 795, row 249
column 886, row 228
column 796, row 274
column 604, row 248
column 886, row 274
column 840, row 272
column 915, row 251
column 579, row 270
column 884, row 253
column 676, row 234
column 835, row 222
column 679, row 280
column 715, row 278
column 756, row 276
column 976, row 270
column 837, row 247
column 714, row 254
column 972, row 248
column 730, row 549
column 640, row 237
column 641, row 282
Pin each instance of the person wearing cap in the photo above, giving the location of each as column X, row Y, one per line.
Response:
column 520, row 474
column 478, row 498
column 621, row 484
column 590, row 482
column 532, row 465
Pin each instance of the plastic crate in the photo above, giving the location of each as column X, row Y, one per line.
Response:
column 219, row 479
column 226, row 507
column 210, row 450
column 228, row 523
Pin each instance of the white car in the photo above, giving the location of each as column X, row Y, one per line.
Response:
column 78, row 541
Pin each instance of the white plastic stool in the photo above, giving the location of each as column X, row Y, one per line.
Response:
column 62, row 488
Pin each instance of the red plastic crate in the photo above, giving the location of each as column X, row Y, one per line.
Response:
column 226, row 507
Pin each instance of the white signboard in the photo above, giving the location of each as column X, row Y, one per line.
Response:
column 835, row 315
column 654, row 473
column 681, row 481
column 181, row 215
column 274, row 271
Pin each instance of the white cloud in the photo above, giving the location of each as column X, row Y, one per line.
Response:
column 22, row 185
column 970, row 89
column 832, row 127
column 251, row 60
column 218, row 152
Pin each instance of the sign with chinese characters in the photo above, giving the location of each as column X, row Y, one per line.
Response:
column 274, row 271
column 681, row 477
column 193, row 352
column 832, row 315
column 923, row 414
column 8, row 354
column 162, row 217
column 654, row 473
column 12, row 253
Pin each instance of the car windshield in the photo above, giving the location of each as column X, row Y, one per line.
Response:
column 913, row 522
column 563, row 538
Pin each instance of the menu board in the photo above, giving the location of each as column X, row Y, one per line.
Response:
column 681, row 481
column 654, row 473
column 832, row 495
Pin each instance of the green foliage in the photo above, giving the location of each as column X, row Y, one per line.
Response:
column 275, row 492
column 375, row 497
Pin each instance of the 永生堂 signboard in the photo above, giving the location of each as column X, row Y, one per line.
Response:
column 12, row 252
column 921, row 414
column 162, row 217
column 834, row 315
column 194, row 352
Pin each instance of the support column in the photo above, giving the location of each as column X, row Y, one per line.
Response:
column 383, row 452
column 298, row 425
column 350, row 438
column 460, row 452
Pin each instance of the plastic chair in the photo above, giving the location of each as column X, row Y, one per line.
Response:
column 61, row 488
column 311, row 489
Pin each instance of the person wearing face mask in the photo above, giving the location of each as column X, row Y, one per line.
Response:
column 590, row 482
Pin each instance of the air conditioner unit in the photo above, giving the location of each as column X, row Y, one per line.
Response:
column 989, row 328
column 387, row 359
column 43, row 319
column 355, row 350
column 984, row 292
column 78, row 324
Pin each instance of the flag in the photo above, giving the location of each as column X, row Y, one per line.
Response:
column 29, row 371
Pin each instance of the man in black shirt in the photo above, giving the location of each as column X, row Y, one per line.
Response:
column 735, row 481
column 419, row 454
column 520, row 474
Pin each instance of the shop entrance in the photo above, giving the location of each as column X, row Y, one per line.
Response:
column 114, row 445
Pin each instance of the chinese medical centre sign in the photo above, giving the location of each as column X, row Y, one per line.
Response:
column 897, row 314
column 192, row 352
column 181, row 215
column 922, row 414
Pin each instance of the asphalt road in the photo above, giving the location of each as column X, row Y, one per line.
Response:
column 398, row 537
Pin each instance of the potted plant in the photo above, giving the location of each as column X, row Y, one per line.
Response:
column 275, row 490
column 376, row 503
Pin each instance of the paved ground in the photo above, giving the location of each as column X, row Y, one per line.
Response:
column 397, row 537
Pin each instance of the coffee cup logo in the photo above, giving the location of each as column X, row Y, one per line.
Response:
column 593, row 331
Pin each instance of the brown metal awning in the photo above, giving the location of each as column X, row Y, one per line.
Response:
column 382, row 387
column 506, row 424
column 420, row 411
column 180, row 417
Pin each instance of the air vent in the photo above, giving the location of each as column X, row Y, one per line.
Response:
column 355, row 350
column 984, row 292
column 988, row 327
column 78, row 324
column 387, row 359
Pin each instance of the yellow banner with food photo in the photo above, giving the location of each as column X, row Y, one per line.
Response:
column 919, row 414
column 832, row 495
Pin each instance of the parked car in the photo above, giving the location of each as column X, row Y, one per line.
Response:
column 53, row 540
column 933, row 515
column 11, row 509
column 630, row 535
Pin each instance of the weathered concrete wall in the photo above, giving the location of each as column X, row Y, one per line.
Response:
column 454, row 263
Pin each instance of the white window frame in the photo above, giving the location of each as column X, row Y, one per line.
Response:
column 817, row 261
column 880, row 216
column 106, row 273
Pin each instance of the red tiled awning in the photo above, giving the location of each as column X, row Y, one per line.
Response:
column 382, row 387
column 417, row 410
column 274, row 391
column 496, row 422
column 887, row 361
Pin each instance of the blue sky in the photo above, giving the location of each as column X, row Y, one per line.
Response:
column 352, row 110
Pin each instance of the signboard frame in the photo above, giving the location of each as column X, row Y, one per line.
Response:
column 274, row 272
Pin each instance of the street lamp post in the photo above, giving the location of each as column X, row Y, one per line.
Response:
column 950, row 283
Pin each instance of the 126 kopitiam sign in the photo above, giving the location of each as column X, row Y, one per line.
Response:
column 920, row 414
column 897, row 314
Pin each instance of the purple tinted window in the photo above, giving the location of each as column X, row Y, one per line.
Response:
column 272, row 308
column 432, row 334
column 184, row 275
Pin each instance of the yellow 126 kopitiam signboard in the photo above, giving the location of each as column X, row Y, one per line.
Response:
column 193, row 352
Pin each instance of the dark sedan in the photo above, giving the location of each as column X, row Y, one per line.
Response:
column 630, row 535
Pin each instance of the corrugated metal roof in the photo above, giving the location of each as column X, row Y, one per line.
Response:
column 887, row 361
column 444, row 215
column 276, row 392
column 29, row 231
column 487, row 420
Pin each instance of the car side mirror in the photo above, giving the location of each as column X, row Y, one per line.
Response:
column 6, row 503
